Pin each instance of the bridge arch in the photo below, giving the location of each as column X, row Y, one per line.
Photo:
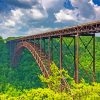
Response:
column 31, row 48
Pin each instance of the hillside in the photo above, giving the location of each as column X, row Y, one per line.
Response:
column 21, row 83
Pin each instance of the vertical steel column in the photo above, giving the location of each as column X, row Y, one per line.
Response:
column 94, row 77
column 74, row 56
column 52, row 49
column 49, row 53
column 44, row 45
column 40, row 47
column 11, row 63
column 37, row 40
column 60, row 53
column 76, row 59
column 34, row 42
column 61, row 61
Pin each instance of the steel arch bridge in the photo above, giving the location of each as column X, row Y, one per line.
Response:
column 63, row 47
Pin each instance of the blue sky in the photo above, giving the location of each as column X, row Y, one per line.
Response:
column 27, row 17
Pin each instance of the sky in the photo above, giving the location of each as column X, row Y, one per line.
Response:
column 27, row 17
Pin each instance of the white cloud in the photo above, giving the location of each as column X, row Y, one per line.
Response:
column 65, row 15
column 77, row 3
column 48, row 3
column 16, row 13
column 53, row 4
column 22, row 20
column 10, row 23
column 85, row 8
column 14, row 18
column 20, row 16
column 39, row 30
column 97, row 11
column 36, row 13
column 85, row 11
column 25, row 0
column 7, row 32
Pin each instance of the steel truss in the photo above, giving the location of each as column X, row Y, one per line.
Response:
column 55, row 47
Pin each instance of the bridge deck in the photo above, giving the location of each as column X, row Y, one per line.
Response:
column 84, row 29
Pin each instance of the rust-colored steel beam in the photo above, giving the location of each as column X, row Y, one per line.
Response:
column 94, row 77
column 49, row 53
column 40, row 45
column 52, row 49
column 61, row 61
column 35, row 50
column 44, row 45
column 60, row 52
column 87, row 28
column 76, row 54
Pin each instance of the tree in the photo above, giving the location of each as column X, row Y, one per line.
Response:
column 54, row 79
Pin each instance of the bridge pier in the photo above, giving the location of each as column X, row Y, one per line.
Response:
column 49, row 54
column 94, row 76
column 76, row 57
column 61, row 53
column 61, row 62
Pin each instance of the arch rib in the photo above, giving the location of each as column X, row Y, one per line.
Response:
column 34, row 49
column 41, row 59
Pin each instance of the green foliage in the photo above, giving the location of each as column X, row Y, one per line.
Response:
column 86, row 92
column 23, row 83
column 80, row 92
column 37, row 94
column 11, row 38
column 54, row 80
column 25, row 76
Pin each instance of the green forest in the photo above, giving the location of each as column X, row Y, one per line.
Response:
column 26, row 81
